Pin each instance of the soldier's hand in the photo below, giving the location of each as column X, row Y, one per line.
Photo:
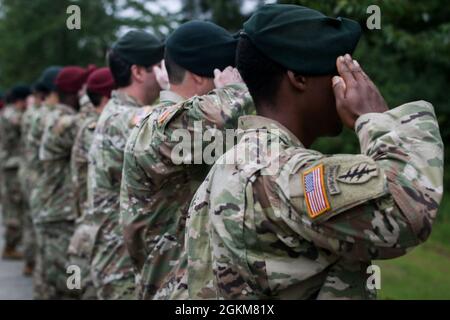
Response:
column 161, row 76
column 226, row 77
column 355, row 93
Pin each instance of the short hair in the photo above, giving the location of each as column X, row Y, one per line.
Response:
column 120, row 69
column 176, row 72
column 261, row 74
column 95, row 98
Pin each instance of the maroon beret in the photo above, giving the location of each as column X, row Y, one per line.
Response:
column 71, row 79
column 101, row 81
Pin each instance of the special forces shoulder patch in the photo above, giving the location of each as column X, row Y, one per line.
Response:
column 340, row 183
column 359, row 173
column 315, row 191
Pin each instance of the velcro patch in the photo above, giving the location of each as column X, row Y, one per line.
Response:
column 140, row 114
column 169, row 113
column 315, row 191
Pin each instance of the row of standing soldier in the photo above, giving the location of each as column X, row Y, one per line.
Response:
column 90, row 167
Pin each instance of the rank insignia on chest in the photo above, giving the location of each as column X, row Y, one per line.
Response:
column 315, row 192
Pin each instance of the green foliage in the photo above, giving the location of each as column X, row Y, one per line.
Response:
column 422, row 273
column 33, row 34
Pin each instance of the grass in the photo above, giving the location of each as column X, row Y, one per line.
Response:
column 423, row 273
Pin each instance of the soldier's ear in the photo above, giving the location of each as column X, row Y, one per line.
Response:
column 138, row 73
column 297, row 81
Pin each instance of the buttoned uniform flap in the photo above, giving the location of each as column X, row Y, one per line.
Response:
column 334, row 185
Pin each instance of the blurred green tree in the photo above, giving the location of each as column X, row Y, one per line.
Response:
column 226, row 13
column 33, row 34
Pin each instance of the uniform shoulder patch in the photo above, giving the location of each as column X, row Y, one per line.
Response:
column 168, row 114
column 315, row 191
column 359, row 173
column 140, row 115
column 339, row 183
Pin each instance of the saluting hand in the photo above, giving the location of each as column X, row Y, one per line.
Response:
column 161, row 76
column 226, row 77
column 355, row 93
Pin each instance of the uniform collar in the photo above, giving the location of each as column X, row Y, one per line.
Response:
column 125, row 99
column 251, row 123
column 170, row 97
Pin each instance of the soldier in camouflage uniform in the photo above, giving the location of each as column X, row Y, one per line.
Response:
column 99, row 86
column 130, row 60
column 28, row 176
column 33, row 142
column 56, row 220
column 12, row 198
column 277, row 220
column 156, row 190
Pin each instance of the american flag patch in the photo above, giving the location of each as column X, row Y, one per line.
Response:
column 315, row 192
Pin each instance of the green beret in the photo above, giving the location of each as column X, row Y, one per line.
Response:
column 140, row 48
column 301, row 39
column 46, row 81
column 20, row 92
column 200, row 47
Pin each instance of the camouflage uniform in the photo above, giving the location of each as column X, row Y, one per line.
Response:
column 81, row 242
column 156, row 191
column 27, row 181
column 33, row 142
column 55, row 221
column 257, row 229
column 111, row 267
column 12, row 199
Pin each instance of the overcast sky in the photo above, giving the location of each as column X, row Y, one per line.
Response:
column 174, row 6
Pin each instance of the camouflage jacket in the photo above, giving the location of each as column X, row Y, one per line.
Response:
column 291, row 223
column 27, row 120
column 10, row 132
column 83, row 237
column 27, row 175
column 55, row 187
column 79, row 161
column 157, row 188
column 110, row 262
column 33, row 143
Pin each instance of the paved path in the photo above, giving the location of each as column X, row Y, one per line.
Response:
column 13, row 286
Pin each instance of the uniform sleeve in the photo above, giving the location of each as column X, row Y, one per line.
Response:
column 58, row 138
column 381, row 203
column 187, row 122
column 79, row 165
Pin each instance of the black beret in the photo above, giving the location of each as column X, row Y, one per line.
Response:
column 140, row 48
column 20, row 92
column 200, row 47
column 47, row 80
column 301, row 39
